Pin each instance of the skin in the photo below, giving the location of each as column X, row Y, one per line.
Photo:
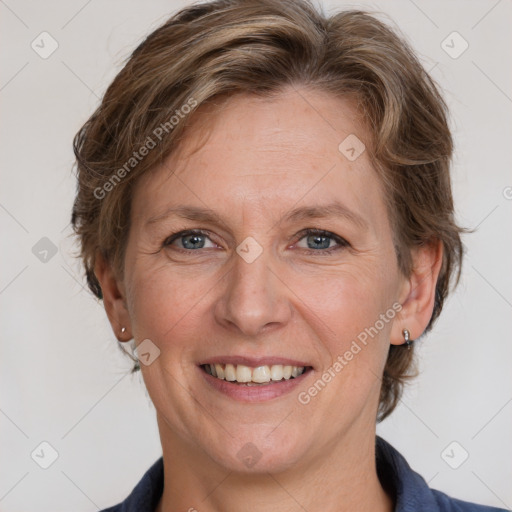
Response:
column 260, row 159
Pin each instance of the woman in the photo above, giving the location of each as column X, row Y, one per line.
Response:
column 264, row 206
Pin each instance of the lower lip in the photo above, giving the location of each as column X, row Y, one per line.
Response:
column 260, row 393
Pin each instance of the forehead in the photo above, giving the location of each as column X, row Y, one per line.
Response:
column 295, row 124
column 262, row 154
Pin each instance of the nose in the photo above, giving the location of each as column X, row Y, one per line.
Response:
column 253, row 300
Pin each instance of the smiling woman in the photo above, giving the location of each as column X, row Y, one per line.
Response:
column 285, row 234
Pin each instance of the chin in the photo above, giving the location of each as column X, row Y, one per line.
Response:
column 259, row 453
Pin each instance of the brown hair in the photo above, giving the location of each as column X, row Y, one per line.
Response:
column 226, row 47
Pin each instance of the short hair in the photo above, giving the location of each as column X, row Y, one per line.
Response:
column 218, row 49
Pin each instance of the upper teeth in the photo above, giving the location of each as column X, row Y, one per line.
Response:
column 242, row 373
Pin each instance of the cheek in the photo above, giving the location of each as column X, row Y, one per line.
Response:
column 349, row 301
column 333, row 306
column 167, row 304
column 350, row 314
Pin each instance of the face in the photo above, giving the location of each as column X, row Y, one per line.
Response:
column 264, row 247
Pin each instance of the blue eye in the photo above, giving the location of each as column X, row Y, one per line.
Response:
column 189, row 240
column 321, row 241
column 317, row 241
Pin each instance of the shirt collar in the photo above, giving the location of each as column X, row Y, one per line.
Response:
column 408, row 489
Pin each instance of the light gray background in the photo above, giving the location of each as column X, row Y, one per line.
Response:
column 63, row 379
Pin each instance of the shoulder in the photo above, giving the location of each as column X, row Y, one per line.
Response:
column 146, row 494
column 410, row 490
column 448, row 504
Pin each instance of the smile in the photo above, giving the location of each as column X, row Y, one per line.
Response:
column 261, row 375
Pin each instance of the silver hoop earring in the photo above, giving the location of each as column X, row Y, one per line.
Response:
column 408, row 341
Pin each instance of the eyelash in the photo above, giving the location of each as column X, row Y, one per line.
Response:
column 342, row 243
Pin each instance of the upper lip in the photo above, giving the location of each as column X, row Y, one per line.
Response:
column 254, row 361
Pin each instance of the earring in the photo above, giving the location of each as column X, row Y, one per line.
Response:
column 408, row 341
column 123, row 330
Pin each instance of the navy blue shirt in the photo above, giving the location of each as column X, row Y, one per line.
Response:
column 408, row 489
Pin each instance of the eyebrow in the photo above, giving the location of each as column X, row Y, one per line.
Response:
column 334, row 209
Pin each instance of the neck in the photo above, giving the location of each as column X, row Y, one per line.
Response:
column 342, row 478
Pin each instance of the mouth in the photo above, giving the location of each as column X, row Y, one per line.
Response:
column 262, row 375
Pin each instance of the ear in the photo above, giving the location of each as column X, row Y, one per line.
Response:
column 418, row 292
column 114, row 299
